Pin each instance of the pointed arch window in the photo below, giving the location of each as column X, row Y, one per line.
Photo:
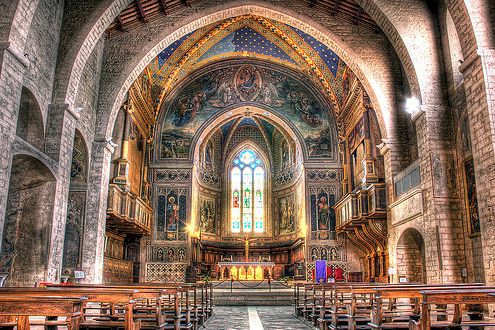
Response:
column 247, row 182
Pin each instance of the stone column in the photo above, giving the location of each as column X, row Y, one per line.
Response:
column 60, row 133
column 12, row 67
column 96, row 211
column 442, row 220
column 479, row 81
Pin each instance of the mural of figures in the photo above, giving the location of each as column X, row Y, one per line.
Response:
column 472, row 199
column 286, row 214
column 171, row 214
column 247, row 82
column 208, row 215
column 323, row 219
column 241, row 85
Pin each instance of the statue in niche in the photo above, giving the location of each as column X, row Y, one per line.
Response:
column 208, row 216
column 323, row 213
column 324, row 255
column 314, row 254
column 181, row 255
column 333, row 254
column 170, row 255
column 159, row 254
column 172, row 214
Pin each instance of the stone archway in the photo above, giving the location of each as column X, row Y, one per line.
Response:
column 30, row 125
column 27, row 227
column 410, row 257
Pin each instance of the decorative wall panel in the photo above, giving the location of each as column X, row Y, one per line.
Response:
column 172, row 210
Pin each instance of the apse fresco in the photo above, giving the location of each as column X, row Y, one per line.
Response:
column 171, row 215
column 323, row 219
column 243, row 85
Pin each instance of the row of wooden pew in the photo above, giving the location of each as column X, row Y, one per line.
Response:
column 394, row 306
column 146, row 306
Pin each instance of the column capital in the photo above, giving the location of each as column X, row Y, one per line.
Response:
column 106, row 143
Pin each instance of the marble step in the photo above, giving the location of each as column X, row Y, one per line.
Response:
column 252, row 298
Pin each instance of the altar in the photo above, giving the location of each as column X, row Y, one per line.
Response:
column 246, row 270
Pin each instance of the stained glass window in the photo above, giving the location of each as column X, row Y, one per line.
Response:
column 236, row 207
column 247, row 193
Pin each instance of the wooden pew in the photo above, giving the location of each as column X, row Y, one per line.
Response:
column 387, row 313
column 177, row 310
column 457, row 298
column 16, row 310
column 107, row 298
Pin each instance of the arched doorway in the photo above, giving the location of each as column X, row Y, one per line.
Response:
column 410, row 257
column 26, row 233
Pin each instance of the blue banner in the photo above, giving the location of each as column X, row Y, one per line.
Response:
column 321, row 271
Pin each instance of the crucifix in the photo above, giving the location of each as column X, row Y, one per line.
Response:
column 246, row 246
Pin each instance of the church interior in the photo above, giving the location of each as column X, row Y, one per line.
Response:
column 204, row 141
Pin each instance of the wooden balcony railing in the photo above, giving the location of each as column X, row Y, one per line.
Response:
column 362, row 205
column 127, row 213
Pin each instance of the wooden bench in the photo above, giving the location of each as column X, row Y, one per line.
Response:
column 172, row 300
column 15, row 310
column 389, row 312
column 105, row 304
column 460, row 317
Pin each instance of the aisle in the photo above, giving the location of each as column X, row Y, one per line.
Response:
column 255, row 318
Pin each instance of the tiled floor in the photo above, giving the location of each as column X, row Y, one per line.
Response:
column 250, row 318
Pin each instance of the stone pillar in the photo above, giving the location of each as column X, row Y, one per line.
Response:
column 442, row 220
column 12, row 68
column 61, row 128
column 479, row 78
column 96, row 211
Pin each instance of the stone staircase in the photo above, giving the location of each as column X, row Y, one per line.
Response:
column 252, row 293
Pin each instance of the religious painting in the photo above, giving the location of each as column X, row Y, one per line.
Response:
column 286, row 214
column 174, row 145
column 172, row 212
column 240, row 85
column 247, row 82
column 208, row 215
column 471, row 197
column 323, row 219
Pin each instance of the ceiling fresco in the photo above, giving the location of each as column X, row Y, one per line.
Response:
column 247, row 85
column 249, row 36
column 285, row 61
